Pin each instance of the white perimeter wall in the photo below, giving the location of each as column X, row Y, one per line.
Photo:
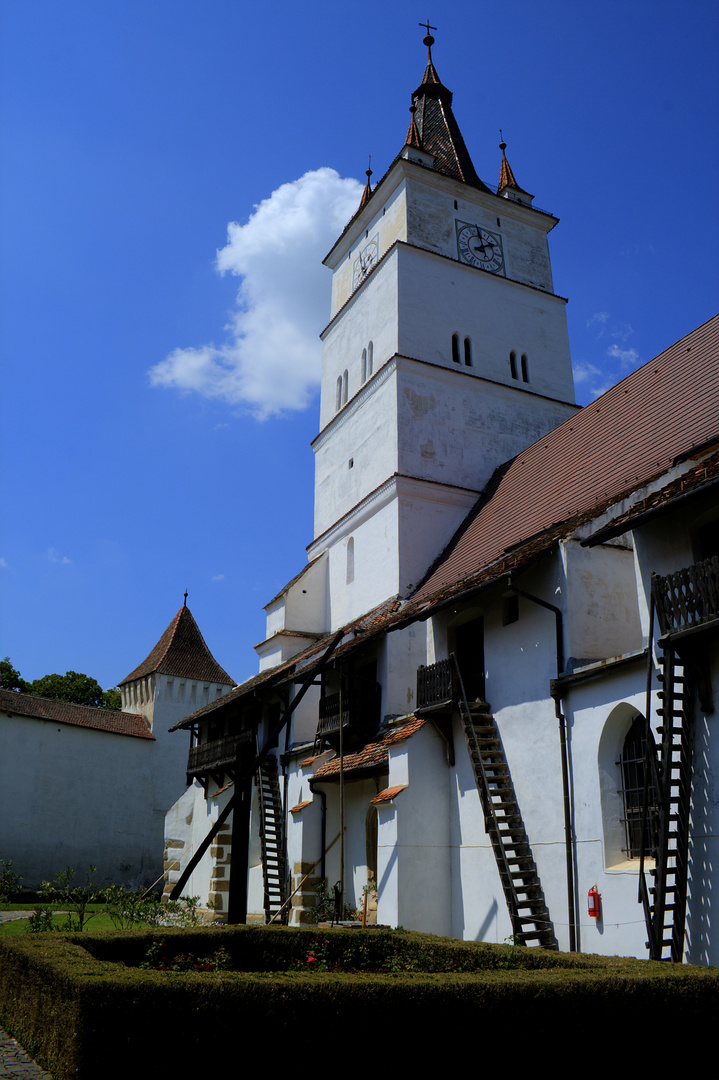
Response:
column 72, row 796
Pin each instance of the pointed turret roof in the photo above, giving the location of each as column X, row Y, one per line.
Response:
column 434, row 125
column 506, row 176
column 181, row 651
column 367, row 193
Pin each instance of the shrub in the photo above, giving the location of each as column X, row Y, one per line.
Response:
column 9, row 881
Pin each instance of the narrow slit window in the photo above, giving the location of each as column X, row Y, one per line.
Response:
column 350, row 560
column 525, row 372
column 364, row 365
column 467, row 352
column 345, row 386
column 338, row 402
column 455, row 348
column 370, row 358
column 513, row 365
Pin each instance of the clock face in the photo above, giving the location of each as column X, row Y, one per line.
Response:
column 479, row 247
column 365, row 261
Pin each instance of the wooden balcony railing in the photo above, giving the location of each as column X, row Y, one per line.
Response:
column 218, row 754
column 437, row 684
column 689, row 598
column 359, row 708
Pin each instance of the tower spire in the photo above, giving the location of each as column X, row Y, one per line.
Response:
column 433, row 127
column 507, row 185
column 367, row 193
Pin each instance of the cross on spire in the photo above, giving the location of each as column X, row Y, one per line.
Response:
column 428, row 40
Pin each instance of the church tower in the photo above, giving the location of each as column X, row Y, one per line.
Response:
column 446, row 354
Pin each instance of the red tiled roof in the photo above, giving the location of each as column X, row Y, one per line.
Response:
column 65, row 712
column 506, row 176
column 389, row 793
column 631, row 434
column 698, row 479
column 373, row 755
column 300, row 806
column 438, row 130
column 182, row 651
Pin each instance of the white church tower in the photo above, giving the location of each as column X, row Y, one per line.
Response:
column 446, row 354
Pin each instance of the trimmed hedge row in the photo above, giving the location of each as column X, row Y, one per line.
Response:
column 79, row 1003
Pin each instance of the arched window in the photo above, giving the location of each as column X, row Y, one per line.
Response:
column 370, row 357
column 350, row 560
column 364, row 365
column 338, row 402
column 525, row 373
column 467, row 352
column 513, row 364
column 345, row 385
column 640, row 829
column 455, row 348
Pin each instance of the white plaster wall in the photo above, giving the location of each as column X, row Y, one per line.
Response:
column 437, row 297
column 375, row 560
column 601, row 599
column 189, row 820
column 280, row 647
column 432, row 217
column 398, row 658
column 305, row 717
column 386, row 219
column 371, row 315
column 424, row 893
column 72, row 796
column 366, row 434
column 456, row 429
column 595, row 782
column 358, row 795
column 302, row 604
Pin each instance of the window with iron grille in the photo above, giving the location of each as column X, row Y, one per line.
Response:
column 632, row 770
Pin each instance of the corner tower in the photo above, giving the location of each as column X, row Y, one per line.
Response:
column 446, row 354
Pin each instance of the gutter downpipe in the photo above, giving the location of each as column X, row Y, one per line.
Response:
column 561, row 719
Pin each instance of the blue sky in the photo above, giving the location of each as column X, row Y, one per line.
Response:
column 142, row 452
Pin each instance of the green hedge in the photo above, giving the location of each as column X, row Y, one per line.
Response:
column 79, row 1002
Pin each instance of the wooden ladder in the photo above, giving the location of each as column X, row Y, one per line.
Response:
column 272, row 840
column 503, row 821
column 665, row 901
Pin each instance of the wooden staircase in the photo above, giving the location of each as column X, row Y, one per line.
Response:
column 272, row 840
column 670, row 765
column 503, row 821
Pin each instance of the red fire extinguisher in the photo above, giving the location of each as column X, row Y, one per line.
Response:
column 594, row 902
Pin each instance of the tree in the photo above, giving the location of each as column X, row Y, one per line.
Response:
column 72, row 686
column 76, row 687
column 10, row 677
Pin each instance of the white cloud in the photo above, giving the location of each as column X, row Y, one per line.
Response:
column 217, row 577
column 629, row 358
column 54, row 556
column 599, row 319
column 593, row 380
column 3, row 563
column 623, row 333
column 272, row 359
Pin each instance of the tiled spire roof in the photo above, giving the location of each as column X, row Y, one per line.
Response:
column 367, row 193
column 182, row 651
column 437, row 129
column 506, row 176
column 413, row 138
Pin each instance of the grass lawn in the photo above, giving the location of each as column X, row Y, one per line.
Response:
column 99, row 921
